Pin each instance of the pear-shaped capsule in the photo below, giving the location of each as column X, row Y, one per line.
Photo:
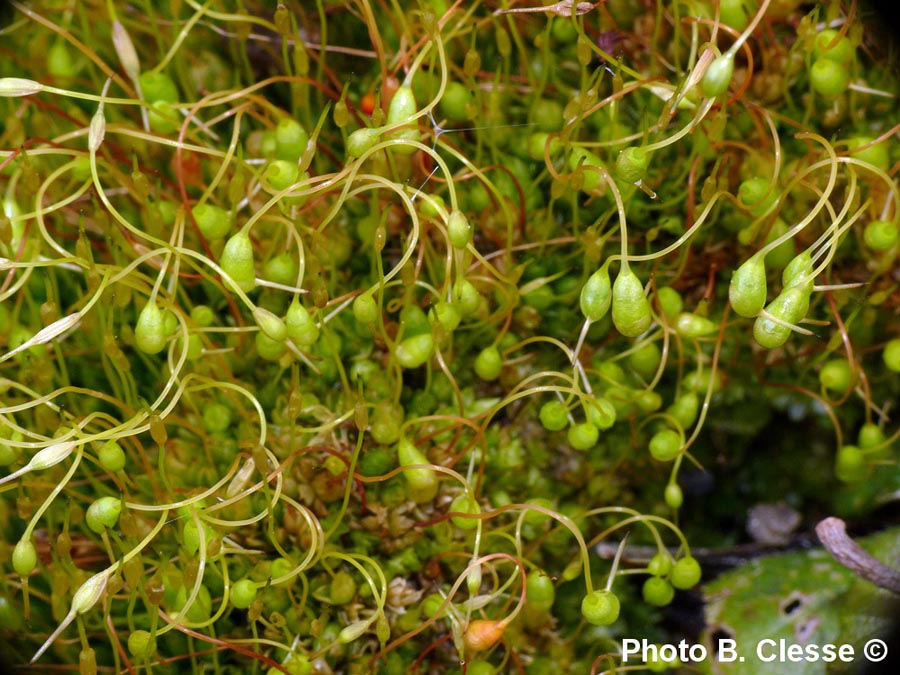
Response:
column 630, row 307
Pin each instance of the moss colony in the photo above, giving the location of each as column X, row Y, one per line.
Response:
column 358, row 336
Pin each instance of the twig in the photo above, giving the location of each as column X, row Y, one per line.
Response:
column 833, row 535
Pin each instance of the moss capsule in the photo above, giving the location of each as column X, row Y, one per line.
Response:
column 401, row 109
column 596, row 295
column 422, row 484
column 747, row 290
column 150, row 332
column 237, row 261
column 630, row 307
column 600, row 608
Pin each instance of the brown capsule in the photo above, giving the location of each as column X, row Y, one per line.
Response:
column 158, row 429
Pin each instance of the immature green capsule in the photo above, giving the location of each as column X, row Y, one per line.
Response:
column 686, row 573
column 684, row 409
column 850, row 464
column 269, row 349
column 243, row 593
column 361, row 141
column 631, row 164
column 141, row 645
column 465, row 503
column 455, row 102
column 747, row 290
column 600, row 412
column 798, row 272
column 757, row 195
column 592, row 180
column 583, row 436
column 466, row 297
column 414, row 351
column 891, row 355
column 103, row 513
column 790, row 306
column 877, row 155
column 150, row 332
column 459, row 231
column 422, row 483
column 158, row 87
column 488, row 363
column 270, row 324
column 540, row 592
column 827, row 46
column 693, row 326
column 24, row 557
column 401, row 109
column 600, row 608
column 365, row 309
column 301, row 328
column 718, row 76
column 281, row 174
column 630, row 307
column 665, row 445
column 446, row 314
column 554, row 415
column 237, row 261
column 290, row 140
column 657, row 592
column 829, row 78
column 669, row 301
column 282, row 269
column 881, row 235
column 836, row 375
column 596, row 295
column 213, row 221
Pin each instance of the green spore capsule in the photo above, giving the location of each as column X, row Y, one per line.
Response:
column 583, row 436
column 757, row 195
column 301, row 328
column 365, row 309
column 401, row 109
column 881, row 235
column 631, row 164
column 24, row 557
column 158, row 87
column 465, row 503
column 829, row 78
column 798, row 272
column 103, row 513
column 421, row 483
column 281, row 174
column 747, row 290
column 828, row 46
column 414, row 351
column 694, row 326
column 630, row 307
column 361, row 141
column 790, row 306
column 488, row 363
column 290, row 140
column 718, row 76
column 600, row 608
column 237, row 261
column 150, row 332
column 111, row 456
column 596, row 295
column 282, row 269
column 592, row 180
column 213, row 221
column 459, row 230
